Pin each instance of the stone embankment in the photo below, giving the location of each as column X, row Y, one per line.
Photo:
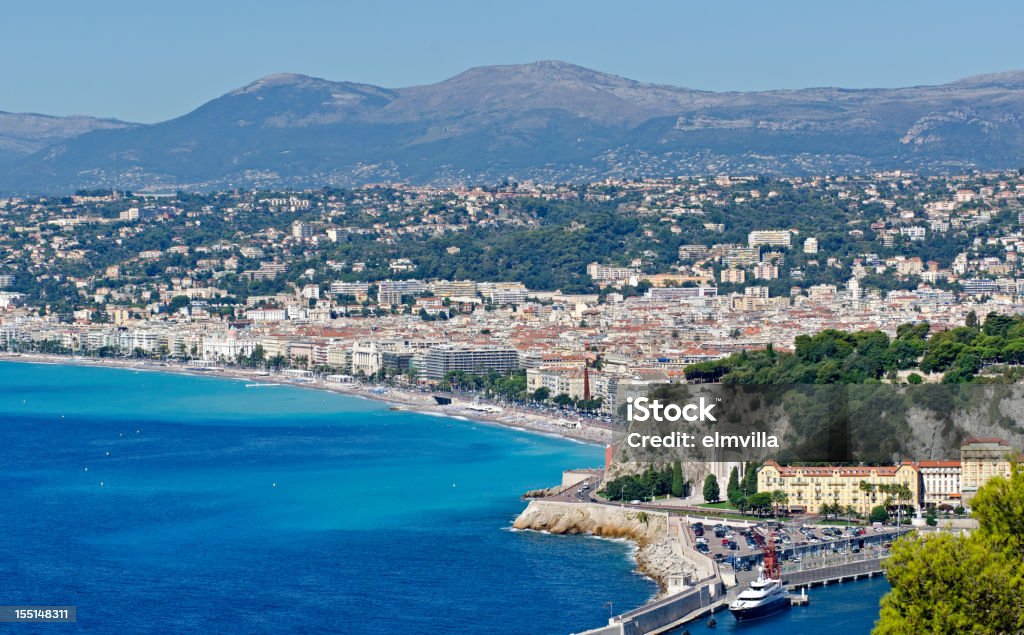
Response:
column 657, row 555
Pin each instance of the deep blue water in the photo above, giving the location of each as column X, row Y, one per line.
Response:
column 221, row 508
column 850, row 608
column 380, row 521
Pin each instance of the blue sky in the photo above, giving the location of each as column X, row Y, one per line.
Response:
column 146, row 62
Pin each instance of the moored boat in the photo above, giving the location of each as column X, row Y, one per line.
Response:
column 763, row 597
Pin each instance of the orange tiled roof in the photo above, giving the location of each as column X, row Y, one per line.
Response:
column 830, row 470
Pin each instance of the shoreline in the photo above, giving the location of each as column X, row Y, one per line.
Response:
column 398, row 398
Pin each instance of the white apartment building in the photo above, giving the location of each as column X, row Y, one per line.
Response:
column 225, row 348
column 941, row 480
column 365, row 358
column 507, row 293
column 454, row 288
column 355, row 289
column 778, row 238
column 390, row 292
column 601, row 273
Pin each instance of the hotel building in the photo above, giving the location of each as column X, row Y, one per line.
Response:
column 811, row 487
column 941, row 483
column 931, row 483
column 980, row 460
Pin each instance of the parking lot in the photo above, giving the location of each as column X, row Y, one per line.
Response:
column 799, row 547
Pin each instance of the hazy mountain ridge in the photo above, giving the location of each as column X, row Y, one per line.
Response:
column 22, row 134
column 547, row 121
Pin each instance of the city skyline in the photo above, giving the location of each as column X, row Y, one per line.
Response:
column 335, row 315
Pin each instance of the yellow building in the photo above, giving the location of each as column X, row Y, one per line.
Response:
column 980, row 460
column 809, row 488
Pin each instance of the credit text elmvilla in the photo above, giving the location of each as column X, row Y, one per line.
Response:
column 643, row 410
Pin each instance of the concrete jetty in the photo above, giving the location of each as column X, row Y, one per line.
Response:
column 834, row 574
column 689, row 597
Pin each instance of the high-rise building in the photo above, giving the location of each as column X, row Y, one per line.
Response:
column 740, row 256
column 390, row 292
column 471, row 359
column 301, row 230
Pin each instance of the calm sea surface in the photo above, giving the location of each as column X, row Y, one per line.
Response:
column 156, row 502
column 839, row 609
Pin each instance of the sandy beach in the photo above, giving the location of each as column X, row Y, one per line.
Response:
column 399, row 398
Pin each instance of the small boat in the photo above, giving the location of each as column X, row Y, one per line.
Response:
column 763, row 597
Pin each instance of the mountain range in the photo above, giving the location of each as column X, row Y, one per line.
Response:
column 546, row 121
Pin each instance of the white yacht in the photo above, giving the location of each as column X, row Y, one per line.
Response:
column 763, row 597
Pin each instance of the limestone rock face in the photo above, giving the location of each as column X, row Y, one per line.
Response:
column 657, row 556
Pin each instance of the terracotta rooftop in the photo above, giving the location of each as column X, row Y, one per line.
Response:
column 985, row 440
column 829, row 470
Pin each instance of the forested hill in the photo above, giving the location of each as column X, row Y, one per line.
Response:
column 992, row 352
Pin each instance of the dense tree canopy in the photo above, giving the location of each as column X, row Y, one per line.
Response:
column 951, row 583
column 832, row 357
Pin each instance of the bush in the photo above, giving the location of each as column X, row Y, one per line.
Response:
column 879, row 514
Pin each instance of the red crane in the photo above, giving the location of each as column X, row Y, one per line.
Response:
column 771, row 558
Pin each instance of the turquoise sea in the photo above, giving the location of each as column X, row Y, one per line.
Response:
column 157, row 502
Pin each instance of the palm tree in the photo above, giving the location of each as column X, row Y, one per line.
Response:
column 901, row 493
column 779, row 497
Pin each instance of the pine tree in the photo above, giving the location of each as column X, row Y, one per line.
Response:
column 733, row 491
column 749, row 485
column 951, row 583
column 677, row 480
column 711, row 491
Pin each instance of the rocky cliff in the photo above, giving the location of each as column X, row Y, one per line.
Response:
column 656, row 556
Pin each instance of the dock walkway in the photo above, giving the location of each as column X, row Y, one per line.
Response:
column 835, row 573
